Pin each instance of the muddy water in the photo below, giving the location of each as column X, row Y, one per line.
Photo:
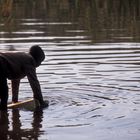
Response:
column 91, row 82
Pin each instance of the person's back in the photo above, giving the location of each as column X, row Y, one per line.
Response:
column 17, row 64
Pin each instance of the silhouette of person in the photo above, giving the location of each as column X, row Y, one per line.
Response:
column 16, row 65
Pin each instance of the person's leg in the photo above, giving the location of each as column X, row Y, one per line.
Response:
column 15, row 89
column 3, row 91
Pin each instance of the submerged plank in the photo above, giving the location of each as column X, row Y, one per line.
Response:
column 27, row 104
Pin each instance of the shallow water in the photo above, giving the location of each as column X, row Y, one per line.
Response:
column 92, row 83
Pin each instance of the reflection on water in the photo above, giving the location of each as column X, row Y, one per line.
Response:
column 12, row 126
column 99, row 21
column 91, row 72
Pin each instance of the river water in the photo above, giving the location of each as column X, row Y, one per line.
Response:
column 91, row 74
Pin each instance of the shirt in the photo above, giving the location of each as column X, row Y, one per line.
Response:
column 17, row 65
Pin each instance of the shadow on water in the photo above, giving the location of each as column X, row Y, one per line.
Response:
column 91, row 72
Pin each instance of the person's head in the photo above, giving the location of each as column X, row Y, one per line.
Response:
column 37, row 53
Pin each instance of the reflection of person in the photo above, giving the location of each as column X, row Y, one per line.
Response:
column 14, row 66
column 4, row 122
column 17, row 132
column 37, row 123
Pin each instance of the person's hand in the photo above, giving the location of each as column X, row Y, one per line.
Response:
column 44, row 104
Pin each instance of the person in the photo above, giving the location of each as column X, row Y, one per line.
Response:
column 15, row 66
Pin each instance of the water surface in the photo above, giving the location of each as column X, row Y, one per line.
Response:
column 90, row 75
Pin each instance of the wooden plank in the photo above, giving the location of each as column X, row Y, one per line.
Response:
column 29, row 104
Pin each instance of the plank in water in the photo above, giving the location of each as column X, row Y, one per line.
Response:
column 29, row 104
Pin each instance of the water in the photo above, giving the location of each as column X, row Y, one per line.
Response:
column 90, row 75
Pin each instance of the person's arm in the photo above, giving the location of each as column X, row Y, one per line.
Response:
column 15, row 89
column 35, row 86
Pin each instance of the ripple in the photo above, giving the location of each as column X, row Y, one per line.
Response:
column 75, row 125
column 90, row 83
